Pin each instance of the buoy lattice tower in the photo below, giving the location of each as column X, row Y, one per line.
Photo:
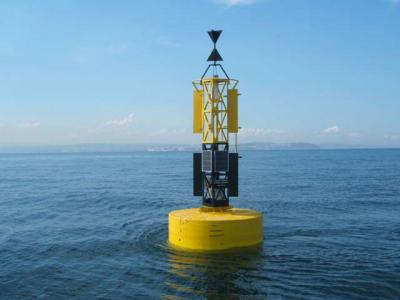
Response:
column 216, row 225
column 215, row 169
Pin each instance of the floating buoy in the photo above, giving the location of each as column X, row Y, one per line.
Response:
column 216, row 225
column 209, row 228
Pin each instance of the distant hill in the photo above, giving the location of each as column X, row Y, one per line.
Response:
column 86, row 148
column 121, row 148
column 277, row 146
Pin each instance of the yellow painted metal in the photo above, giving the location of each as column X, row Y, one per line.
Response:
column 216, row 93
column 209, row 228
column 233, row 111
column 215, row 110
column 197, row 111
column 215, row 115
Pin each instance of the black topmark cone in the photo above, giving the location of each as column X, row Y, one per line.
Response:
column 214, row 35
column 214, row 56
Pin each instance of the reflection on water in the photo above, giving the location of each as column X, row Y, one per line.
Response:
column 216, row 275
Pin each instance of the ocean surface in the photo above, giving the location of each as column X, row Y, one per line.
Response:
column 94, row 226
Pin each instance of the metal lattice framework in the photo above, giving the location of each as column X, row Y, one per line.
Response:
column 215, row 116
column 215, row 129
column 215, row 135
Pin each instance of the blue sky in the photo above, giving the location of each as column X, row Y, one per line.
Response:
column 320, row 71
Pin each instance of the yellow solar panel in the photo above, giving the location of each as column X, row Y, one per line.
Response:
column 233, row 111
column 197, row 111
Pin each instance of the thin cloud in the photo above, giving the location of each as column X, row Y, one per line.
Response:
column 354, row 134
column 121, row 122
column 392, row 137
column 93, row 53
column 118, row 49
column 29, row 125
column 166, row 42
column 254, row 132
column 235, row 2
column 167, row 131
column 331, row 130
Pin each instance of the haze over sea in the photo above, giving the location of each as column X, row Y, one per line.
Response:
column 94, row 225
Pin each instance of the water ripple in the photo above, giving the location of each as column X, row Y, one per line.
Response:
column 94, row 226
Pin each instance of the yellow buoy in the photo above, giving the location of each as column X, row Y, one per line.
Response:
column 209, row 228
column 216, row 225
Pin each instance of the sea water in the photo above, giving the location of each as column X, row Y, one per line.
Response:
column 94, row 226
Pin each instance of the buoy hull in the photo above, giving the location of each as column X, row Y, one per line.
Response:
column 207, row 228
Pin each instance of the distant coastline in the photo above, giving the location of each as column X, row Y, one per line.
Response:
column 116, row 148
